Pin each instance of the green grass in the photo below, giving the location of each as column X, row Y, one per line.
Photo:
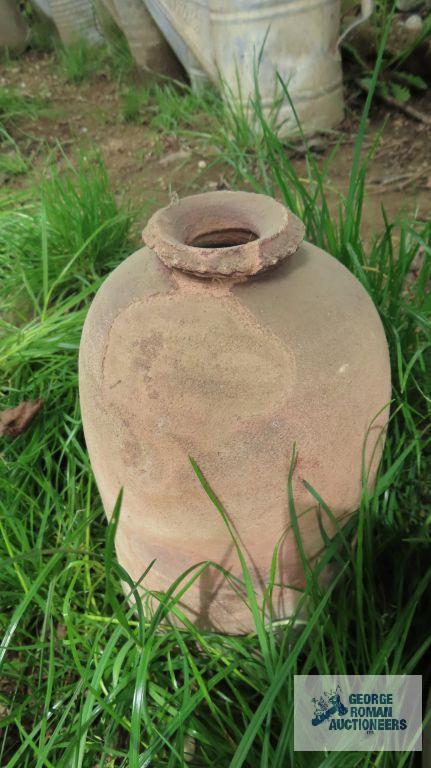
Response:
column 81, row 60
column 399, row 74
column 71, row 236
column 12, row 161
column 172, row 109
column 134, row 103
column 16, row 106
column 224, row 124
column 121, row 62
column 86, row 682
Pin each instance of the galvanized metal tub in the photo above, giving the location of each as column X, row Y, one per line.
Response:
column 235, row 40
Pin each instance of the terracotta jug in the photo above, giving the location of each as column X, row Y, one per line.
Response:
column 230, row 340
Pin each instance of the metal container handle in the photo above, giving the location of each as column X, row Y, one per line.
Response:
column 367, row 7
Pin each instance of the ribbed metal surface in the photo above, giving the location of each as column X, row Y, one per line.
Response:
column 185, row 26
column 43, row 6
column 265, row 12
column 296, row 39
column 147, row 43
column 74, row 19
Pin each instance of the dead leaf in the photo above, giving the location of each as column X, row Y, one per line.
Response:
column 14, row 421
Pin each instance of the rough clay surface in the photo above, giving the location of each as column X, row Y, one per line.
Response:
column 171, row 230
column 234, row 372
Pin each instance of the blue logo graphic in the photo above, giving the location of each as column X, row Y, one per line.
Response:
column 328, row 705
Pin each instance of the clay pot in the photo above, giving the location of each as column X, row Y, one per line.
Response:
column 230, row 340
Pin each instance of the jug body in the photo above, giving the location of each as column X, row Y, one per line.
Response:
column 230, row 340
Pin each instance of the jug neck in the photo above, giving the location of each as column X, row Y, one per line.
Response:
column 224, row 234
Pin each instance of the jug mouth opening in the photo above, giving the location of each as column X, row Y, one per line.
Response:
column 223, row 238
column 224, row 234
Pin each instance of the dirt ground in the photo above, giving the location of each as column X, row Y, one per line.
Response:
column 146, row 167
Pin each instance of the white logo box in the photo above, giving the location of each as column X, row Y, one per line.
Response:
column 344, row 713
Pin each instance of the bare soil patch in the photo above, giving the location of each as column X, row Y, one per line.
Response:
column 147, row 167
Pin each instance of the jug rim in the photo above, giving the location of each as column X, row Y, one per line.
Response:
column 224, row 234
